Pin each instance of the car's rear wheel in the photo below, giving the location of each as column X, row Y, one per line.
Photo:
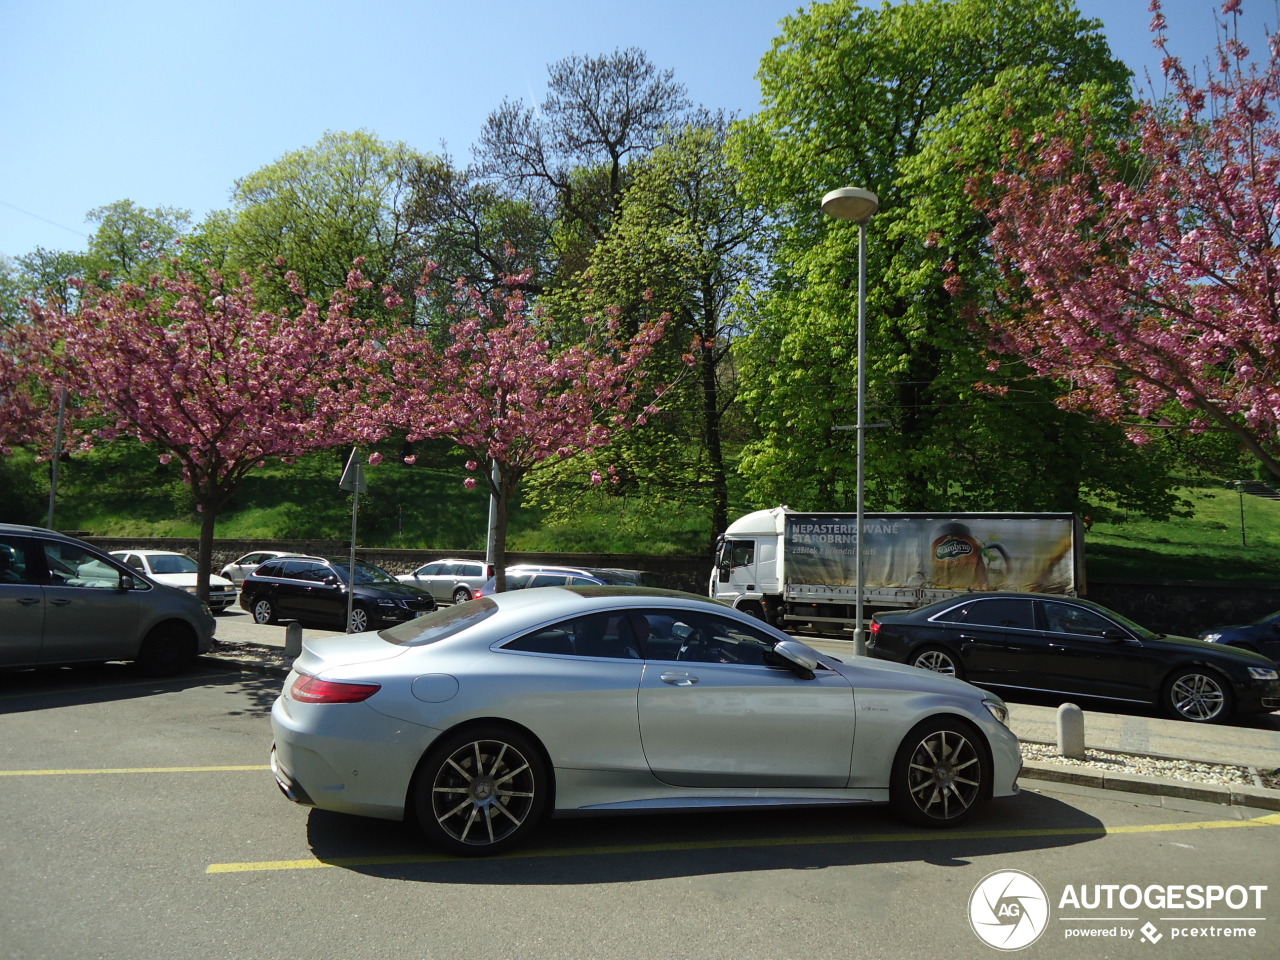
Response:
column 481, row 790
column 938, row 660
column 1200, row 696
column 461, row 595
column 940, row 773
column 264, row 611
column 168, row 649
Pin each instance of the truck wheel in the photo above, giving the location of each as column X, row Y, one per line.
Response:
column 754, row 609
column 939, row 660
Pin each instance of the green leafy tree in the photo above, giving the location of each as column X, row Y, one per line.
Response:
column 318, row 209
column 684, row 245
column 909, row 101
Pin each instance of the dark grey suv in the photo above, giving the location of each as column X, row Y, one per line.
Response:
column 314, row 589
column 63, row 601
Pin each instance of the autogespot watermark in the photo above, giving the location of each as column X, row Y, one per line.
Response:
column 1010, row 910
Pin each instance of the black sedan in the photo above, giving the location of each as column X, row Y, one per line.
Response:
column 1262, row 636
column 314, row 589
column 1078, row 648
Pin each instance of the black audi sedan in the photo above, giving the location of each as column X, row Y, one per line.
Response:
column 1074, row 647
column 314, row 589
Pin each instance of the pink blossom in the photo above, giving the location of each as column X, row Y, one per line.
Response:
column 375, row 459
column 469, row 483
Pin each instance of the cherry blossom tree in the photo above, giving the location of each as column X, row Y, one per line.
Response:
column 198, row 370
column 510, row 393
column 1146, row 274
column 21, row 408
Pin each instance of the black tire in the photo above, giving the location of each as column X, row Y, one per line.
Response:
column 1200, row 695
column 461, row 595
column 167, row 650
column 941, row 773
column 939, row 660
column 481, row 790
column 263, row 610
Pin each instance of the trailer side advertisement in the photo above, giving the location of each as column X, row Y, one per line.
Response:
column 1032, row 553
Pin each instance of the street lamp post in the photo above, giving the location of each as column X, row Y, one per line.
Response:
column 1240, row 490
column 857, row 206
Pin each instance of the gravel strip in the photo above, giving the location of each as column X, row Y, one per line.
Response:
column 1191, row 770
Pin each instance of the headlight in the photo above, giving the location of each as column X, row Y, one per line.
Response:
column 1263, row 673
column 191, row 589
column 386, row 603
column 1000, row 711
column 1211, row 637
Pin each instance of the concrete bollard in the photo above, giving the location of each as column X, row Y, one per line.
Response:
column 293, row 639
column 1071, row 731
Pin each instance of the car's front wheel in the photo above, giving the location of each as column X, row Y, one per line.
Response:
column 940, row 773
column 264, row 611
column 1200, row 696
column 360, row 620
column 938, row 660
column 481, row 790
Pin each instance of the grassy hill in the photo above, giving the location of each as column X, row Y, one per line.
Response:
column 123, row 491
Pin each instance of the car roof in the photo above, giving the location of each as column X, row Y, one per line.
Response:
column 586, row 597
column 151, row 553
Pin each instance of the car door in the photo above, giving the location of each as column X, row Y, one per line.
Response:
column 21, row 601
column 87, row 614
column 320, row 598
column 996, row 640
column 1088, row 654
column 289, row 584
column 718, row 715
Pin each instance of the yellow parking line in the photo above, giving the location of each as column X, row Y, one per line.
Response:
column 74, row 772
column 1270, row 820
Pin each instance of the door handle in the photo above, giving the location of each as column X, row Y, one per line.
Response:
column 28, row 601
column 60, row 601
column 678, row 679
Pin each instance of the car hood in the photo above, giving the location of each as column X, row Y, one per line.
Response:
column 886, row 674
column 398, row 591
column 1172, row 642
column 184, row 580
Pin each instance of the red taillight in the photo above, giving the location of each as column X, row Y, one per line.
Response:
column 875, row 627
column 314, row 690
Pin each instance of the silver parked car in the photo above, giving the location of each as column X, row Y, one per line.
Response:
column 235, row 570
column 479, row 719
column 450, row 581
column 63, row 601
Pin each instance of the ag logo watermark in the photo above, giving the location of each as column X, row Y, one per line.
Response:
column 1009, row 910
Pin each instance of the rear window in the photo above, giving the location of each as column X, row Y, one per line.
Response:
column 440, row 624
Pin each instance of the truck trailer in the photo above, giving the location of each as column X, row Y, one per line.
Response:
column 790, row 568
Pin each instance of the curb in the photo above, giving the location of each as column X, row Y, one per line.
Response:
column 1237, row 795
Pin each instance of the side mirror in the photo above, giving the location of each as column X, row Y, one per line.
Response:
column 799, row 657
column 1118, row 635
column 127, row 583
column 332, row 581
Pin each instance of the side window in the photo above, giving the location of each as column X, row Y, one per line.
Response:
column 18, row 563
column 293, row 570
column 1067, row 618
column 431, row 570
column 135, row 561
column 470, row 570
column 1000, row 613
column 705, row 638
column 548, row 580
column 743, row 553
column 610, row 635
column 269, row 569
column 73, row 566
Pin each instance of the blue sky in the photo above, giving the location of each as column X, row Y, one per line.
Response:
column 169, row 103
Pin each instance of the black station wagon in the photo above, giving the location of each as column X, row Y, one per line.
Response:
column 314, row 590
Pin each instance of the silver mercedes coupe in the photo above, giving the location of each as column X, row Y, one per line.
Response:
column 480, row 719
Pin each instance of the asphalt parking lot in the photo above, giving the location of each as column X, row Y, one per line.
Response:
column 141, row 822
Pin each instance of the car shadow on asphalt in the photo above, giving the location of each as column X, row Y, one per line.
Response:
column 1256, row 721
column 43, row 688
column 624, row 849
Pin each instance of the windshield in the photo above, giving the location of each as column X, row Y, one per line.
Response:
column 365, row 573
column 441, row 623
column 174, row 564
